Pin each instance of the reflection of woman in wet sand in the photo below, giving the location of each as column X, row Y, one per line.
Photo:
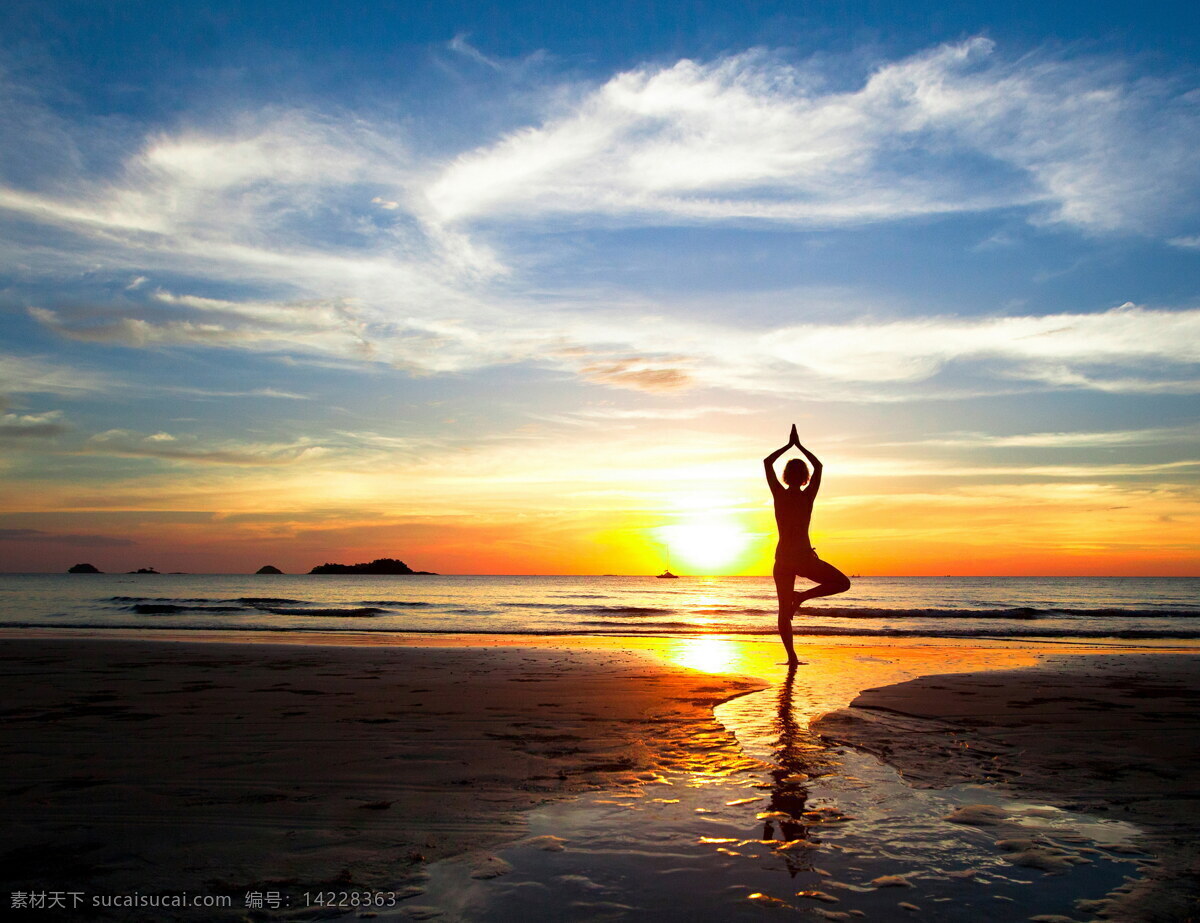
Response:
column 794, row 763
column 794, row 555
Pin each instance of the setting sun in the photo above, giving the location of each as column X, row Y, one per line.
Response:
column 705, row 545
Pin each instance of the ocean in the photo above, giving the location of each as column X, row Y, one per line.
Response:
column 967, row 607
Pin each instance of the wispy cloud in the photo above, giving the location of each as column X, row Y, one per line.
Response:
column 305, row 328
column 193, row 449
column 39, row 375
column 1123, row 349
column 275, row 393
column 463, row 47
column 1184, row 469
column 1155, row 436
column 751, row 136
column 914, row 349
column 639, row 373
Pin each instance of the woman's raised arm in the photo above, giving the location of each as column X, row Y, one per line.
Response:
column 769, row 466
column 814, row 482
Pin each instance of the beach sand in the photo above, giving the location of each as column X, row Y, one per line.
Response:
column 229, row 765
column 1117, row 736
column 145, row 766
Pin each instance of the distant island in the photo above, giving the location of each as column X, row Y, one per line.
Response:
column 143, row 570
column 378, row 566
column 268, row 569
column 84, row 569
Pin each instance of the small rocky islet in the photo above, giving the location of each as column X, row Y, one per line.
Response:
column 378, row 566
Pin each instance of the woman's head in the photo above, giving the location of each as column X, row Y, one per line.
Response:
column 795, row 473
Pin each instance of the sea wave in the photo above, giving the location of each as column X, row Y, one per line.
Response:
column 638, row 611
column 664, row 629
column 359, row 612
column 176, row 609
column 256, row 602
column 160, row 599
column 732, row 610
column 1019, row 613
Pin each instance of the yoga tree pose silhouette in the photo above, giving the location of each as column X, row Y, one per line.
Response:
column 794, row 554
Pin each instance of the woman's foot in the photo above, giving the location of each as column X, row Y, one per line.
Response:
column 797, row 599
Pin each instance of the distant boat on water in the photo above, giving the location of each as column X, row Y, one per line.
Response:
column 667, row 575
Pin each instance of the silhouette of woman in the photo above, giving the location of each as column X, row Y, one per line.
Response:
column 794, row 555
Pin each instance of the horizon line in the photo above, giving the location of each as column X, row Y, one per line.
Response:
column 653, row 576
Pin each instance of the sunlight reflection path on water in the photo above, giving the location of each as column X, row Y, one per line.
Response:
column 834, row 832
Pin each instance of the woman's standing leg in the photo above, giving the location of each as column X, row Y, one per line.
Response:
column 785, row 589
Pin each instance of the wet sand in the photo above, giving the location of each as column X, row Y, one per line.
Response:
column 1115, row 736
column 147, row 766
column 228, row 765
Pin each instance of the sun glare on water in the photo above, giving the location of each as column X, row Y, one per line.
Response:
column 708, row 655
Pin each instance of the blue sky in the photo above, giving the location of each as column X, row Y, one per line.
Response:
column 562, row 271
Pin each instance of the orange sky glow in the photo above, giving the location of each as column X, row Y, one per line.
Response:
column 568, row 510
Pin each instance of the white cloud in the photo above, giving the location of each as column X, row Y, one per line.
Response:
column 884, row 360
column 753, row 137
column 914, row 349
column 282, row 200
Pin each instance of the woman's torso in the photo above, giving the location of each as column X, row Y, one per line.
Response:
column 793, row 512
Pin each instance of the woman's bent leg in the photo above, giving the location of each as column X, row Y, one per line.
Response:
column 785, row 589
column 830, row 581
